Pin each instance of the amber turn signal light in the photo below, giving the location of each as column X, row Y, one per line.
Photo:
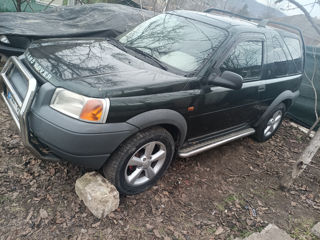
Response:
column 92, row 111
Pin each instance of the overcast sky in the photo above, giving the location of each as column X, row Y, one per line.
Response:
column 290, row 9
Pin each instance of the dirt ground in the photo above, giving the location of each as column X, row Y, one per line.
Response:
column 228, row 192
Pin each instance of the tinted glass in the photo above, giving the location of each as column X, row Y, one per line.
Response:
column 245, row 60
column 277, row 59
column 295, row 64
column 182, row 43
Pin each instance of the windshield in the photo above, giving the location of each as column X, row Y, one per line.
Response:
column 179, row 42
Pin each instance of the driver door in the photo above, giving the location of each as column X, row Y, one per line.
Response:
column 222, row 110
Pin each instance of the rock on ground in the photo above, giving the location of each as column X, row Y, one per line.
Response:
column 316, row 230
column 100, row 196
column 271, row 232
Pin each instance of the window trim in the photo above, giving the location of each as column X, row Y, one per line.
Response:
column 246, row 37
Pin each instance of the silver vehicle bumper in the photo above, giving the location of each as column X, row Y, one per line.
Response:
column 20, row 108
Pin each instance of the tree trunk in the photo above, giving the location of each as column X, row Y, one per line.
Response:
column 303, row 161
column 154, row 6
column 18, row 5
column 166, row 6
column 71, row 2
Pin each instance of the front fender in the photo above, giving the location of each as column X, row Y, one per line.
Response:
column 159, row 117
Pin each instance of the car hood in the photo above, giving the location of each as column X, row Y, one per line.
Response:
column 96, row 68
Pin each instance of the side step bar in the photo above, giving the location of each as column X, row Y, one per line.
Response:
column 204, row 146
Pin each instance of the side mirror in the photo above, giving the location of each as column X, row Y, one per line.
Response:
column 227, row 79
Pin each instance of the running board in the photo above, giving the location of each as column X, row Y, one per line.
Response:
column 204, row 146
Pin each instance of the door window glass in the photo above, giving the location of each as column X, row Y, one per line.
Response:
column 277, row 59
column 294, row 47
column 246, row 60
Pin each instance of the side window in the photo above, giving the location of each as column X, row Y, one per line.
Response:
column 294, row 47
column 246, row 60
column 277, row 59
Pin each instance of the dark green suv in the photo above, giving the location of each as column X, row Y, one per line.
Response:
column 178, row 84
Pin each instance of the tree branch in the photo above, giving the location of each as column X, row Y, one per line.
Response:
column 306, row 13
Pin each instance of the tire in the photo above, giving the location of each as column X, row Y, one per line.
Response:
column 268, row 127
column 140, row 161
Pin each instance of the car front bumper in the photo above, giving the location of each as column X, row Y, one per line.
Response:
column 52, row 135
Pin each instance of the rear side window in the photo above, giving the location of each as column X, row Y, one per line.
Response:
column 246, row 60
column 294, row 47
column 277, row 59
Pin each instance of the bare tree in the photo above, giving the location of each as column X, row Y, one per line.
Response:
column 18, row 4
column 166, row 5
column 21, row 5
column 305, row 12
column 308, row 154
column 312, row 82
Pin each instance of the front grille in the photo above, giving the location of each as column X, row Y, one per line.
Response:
column 18, row 91
column 18, row 81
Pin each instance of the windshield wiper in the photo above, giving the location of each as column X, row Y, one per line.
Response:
column 149, row 56
column 117, row 44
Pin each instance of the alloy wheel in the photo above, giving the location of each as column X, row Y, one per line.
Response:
column 145, row 163
column 273, row 123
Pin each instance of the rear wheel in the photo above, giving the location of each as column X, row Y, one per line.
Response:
column 270, row 124
column 140, row 161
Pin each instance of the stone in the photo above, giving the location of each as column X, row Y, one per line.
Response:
column 316, row 230
column 293, row 204
column 99, row 196
column 219, row 231
column 270, row 232
column 43, row 213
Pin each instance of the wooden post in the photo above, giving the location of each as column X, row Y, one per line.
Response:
column 303, row 161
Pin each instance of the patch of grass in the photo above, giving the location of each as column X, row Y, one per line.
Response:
column 261, row 193
column 220, row 207
column 16, row 209
column 4, row 199
column 137, row 229
column 231, row 198
column 162, row 231
column 302, row 229
column 245, row 233
column 270, row 193
column 211, row 230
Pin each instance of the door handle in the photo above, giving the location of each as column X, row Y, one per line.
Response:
column 262, row 88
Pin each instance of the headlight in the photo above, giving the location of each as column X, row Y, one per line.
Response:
column 4, row 39
column 80, row 107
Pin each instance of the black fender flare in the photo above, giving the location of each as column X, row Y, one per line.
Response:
column 286, row 95
column 160, row 117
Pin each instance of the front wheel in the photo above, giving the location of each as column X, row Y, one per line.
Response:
column 268, row 127
column 140, row 161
